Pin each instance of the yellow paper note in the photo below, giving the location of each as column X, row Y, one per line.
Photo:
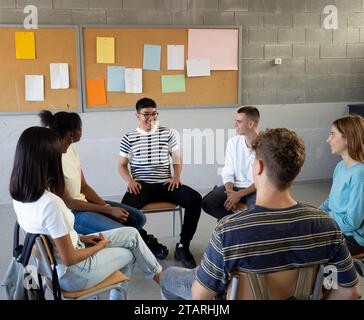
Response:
column 25, row 45
column 105, row 50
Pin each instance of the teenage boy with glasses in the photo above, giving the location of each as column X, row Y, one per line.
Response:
column 147, row 149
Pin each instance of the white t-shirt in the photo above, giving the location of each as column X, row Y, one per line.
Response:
column 239, row 161
column 50, row 216
column 71, row 166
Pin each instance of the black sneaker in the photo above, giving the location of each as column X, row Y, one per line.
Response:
column 159, row 250
column 184, row 255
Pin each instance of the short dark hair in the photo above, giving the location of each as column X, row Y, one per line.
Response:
column 61, row 122
column 37, row 165
column 283, row 154
column 251, row 112
column 145, row 103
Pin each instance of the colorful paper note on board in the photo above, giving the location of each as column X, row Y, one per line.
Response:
column 198, row 68
column 24, row 45
column 174, row 83
column 105, row 47
column 59, row 76
column 175, row 57
column 152, row 57
column 115, row 79
column 34, row 88
column 220, row 46
column 96, row 93
column 133, row 80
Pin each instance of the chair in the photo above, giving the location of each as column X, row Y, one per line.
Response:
column 165, row 207
column 44, row 255
column 358, row 261
column 300, row 283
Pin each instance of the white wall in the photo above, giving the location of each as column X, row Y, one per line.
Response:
column 102, row 132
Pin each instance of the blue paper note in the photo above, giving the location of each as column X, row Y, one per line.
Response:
column 115, row 79
column 152, row 57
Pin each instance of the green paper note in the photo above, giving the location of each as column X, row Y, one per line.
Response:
column 174, row 83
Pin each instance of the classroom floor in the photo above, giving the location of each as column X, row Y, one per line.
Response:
column 160, row 224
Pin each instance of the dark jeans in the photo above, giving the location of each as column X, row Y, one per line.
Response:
column 353, row 246
column 184, row 196
column 213, row 202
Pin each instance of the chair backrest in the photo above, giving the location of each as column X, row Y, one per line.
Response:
column 296, row 283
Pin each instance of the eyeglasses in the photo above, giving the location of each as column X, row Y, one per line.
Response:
column 148, row 115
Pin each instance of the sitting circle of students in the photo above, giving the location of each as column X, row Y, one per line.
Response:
column 92, row 237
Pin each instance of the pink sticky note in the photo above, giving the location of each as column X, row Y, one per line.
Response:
column 220, row 46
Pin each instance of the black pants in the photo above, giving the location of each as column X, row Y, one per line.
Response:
column 184, row 196
column 354, row 247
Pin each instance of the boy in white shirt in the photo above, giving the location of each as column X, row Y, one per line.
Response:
column 237, row 173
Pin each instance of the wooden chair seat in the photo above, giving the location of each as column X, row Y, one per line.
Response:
column 114, row 278
column 159, row 206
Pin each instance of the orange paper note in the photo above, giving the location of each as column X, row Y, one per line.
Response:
column 96, row 93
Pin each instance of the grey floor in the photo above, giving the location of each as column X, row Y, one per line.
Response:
column 160, row 224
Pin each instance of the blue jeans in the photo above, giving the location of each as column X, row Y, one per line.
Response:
column 126, row 249
column 176, row 283
column 87, row 222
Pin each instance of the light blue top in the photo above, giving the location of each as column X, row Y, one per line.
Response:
column 345, row 202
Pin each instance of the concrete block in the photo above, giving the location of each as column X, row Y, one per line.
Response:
column 353, row 80
column 317, row 5
column 12, row 16
column 349, row 35
column 218, row 18
column 108, row 4
column 307, row 20
column 291, row 35
column 252, row 51
column 70, row 4
column 291, row 6
column 333, row 66
column 171, row 5
column 354, row 94
column 244, row 36
column 138, row 17
column 274, row 20
column 284, row 82
column 273, row 51
column 187, row 17
column 319, row 35
column 348, row 5
column 249, row 19
column 260, row 97
column 252, row 82
column 355, row 51
column 89, row 16
column 361, row 35
column 138, row 5
column 314, row 81
column 325, row 95
column 262, row 67
column 244, row 97
column 40, row 4
column 306, row 51
column 290, row 96
column 333, row 51
column 264, row 36
column 233, row 5
column 263, row 5
column 201, row 4
column 291, row 66
column 54, row 16
column 356, row 20
column 7, row 4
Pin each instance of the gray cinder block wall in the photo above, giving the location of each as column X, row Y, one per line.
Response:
column 322, row 71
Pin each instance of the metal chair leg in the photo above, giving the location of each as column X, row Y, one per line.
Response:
column 174, row 223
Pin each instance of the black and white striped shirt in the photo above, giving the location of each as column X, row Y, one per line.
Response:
column 149, row 153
